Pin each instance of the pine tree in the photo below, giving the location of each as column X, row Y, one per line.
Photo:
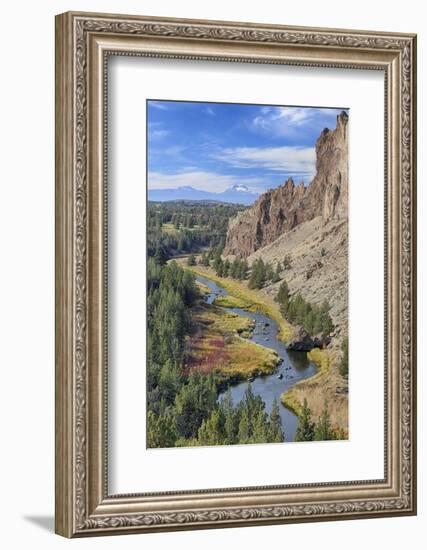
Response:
column 243, row 433
column 276, row 276
column 258, row 275
column 160, row 256
column 211, row 432
column 202, row 260
column 269, row 273
column 344, row 360
column 161, row 431
column 229, row 427
column 323, row 430
column 283, row 294
column 191, row 259
column 226, row 268
column 305, row 430
column 168, row 382
column 287, row 264
column 259, row 427
column 275, row 430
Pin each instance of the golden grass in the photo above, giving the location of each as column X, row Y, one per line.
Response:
column 170, row 229
column 203, row 289
column 321, row 358
column 289, row 400
column 248, row 358
column 251, row 299
column 319, row 389
column 232, row 301
column 219, row 345
column 223, row 321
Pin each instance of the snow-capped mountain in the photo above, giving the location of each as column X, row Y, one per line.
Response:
column 239, row 194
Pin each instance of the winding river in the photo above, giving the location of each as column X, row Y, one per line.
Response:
column 294, row 367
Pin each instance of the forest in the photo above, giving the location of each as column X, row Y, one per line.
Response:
column 179, row 227
column 186, row 407
column 182, row 408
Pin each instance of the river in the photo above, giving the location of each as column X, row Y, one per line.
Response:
column 294, row 367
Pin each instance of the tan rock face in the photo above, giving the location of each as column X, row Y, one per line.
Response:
column 282, row 209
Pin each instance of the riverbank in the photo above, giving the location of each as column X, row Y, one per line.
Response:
column 325, row 386
column 243, row 297
column 219, row 342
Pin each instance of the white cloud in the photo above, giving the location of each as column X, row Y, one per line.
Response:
column 158, row 105
column 287, row 121
column 201, row 180
column 287, row 159
column 155, row 135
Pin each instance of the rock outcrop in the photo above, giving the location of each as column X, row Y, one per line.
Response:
column 282, row 209
column 302, row 341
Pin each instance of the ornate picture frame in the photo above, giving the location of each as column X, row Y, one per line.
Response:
column 84, row 42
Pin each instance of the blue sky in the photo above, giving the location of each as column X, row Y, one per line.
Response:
column 213, row 146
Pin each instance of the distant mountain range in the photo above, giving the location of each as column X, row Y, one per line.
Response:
column 238, row 194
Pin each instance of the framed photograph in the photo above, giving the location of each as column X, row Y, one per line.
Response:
column 235, row 274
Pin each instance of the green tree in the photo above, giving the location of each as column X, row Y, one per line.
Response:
column 226, row 268
column 243, row 433
column 191, row 260
column 160, row 256
column 283, row 294
column 259, row 427
column 161, row 430
column 276, row 277
column 243, row 270
column 269, row 273
column 344, row 360
column 168, row 382
column 305, row 429
column 211, row 432
column 287, row 263
column 258, row 275
column 275, row 431
column 325, row 318
column 323, row 431
column 230, row 430
column 204, row 259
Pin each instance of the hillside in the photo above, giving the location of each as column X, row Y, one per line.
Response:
column 306, row 225
column 281, row 210
column 318, row 256
column 306, row 230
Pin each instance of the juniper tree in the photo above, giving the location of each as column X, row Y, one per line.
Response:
column 276, row 276
column 269, row 273
column 191, row 259
column 258, row 275
column 305, row 430
column 344, row 360
column 287, row 264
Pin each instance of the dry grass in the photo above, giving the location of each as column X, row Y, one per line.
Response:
column 170, row 229
column 252, row 299
column 323, row 387
column 216, row 345
column 203, row 289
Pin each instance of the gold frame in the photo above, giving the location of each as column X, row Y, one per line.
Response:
column 83, row 43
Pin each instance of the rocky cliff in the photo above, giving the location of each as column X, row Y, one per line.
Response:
column 280, row 210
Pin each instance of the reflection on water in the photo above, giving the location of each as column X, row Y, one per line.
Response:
column 295, row 365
